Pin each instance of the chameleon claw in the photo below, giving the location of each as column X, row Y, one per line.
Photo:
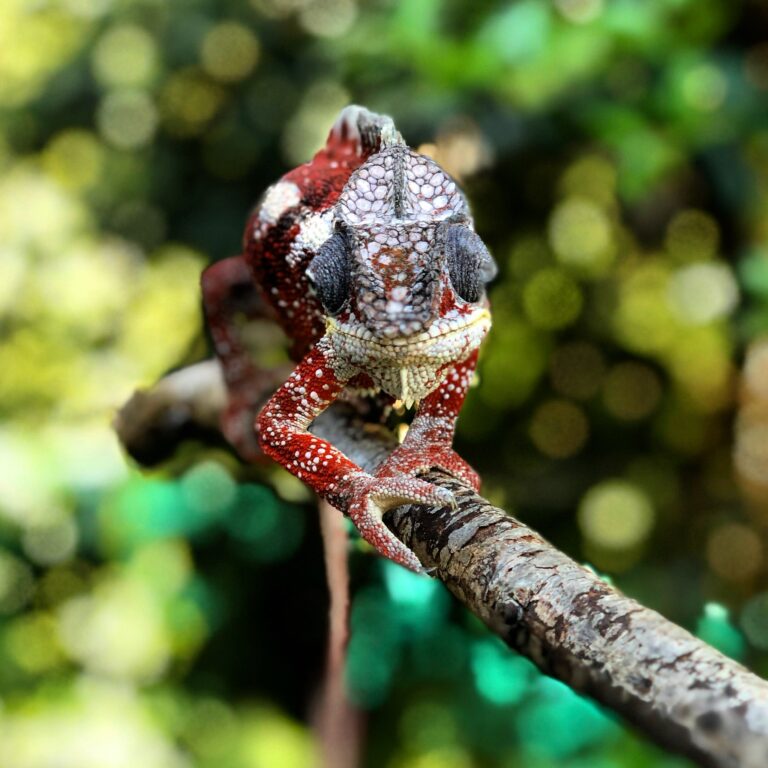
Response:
column 445, row 498
column 371, row 497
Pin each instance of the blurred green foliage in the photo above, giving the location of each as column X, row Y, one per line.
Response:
column 616, row 155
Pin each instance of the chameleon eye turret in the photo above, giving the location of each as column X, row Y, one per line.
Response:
column 470, row 265
column 328, row 273
column 368, row 259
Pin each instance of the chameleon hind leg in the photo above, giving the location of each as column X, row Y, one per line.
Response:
column 230, row 301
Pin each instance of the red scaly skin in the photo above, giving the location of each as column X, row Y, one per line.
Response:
column 228, row 291
column 367, row 257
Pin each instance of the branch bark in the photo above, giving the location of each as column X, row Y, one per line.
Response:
column 682, row 693
column 678, row 691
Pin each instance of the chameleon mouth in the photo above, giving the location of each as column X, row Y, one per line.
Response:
column 440, row 330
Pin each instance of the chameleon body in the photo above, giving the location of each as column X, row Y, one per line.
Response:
column 367, row 258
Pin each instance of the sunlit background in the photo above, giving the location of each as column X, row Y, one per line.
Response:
column 616, row 156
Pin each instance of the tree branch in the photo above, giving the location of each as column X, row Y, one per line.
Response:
column 677, row 690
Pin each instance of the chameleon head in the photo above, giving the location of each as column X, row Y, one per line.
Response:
column 402, row 279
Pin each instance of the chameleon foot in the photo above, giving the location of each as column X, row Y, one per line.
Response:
column 410, row 460
column 371, row 497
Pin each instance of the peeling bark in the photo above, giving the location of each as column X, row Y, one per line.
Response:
column 677, row 690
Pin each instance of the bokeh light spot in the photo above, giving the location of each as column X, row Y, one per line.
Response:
column 279, row 8
column 117, row 630
column 36, row 43
column 306, row 130
column 426, row 724
column 423, row 601
column 164, row 565
column 210, row 727
column 32, row 643
column 692, row 235
column 528, row 256
column 701, row 364
column 516, row 360
column 230, row 51
column 751, row 450
column 143, row 510
column 539, row 723
column 461, row 148
column 100, row 270
column 631, row 391
column 377, row 628
column 593, row 177
column 75, row 158
column 208, row 488
column 188, row 102
column 164, row 308
column 407, row 588
column 756, row 369
column 701, row 293
column 735, row 552
column 328, row 18
column 88, row 722
column 559, row 429
column 580, row 11
column 268, row 530
column 269, row 738
column 28, row 197
column 126, row 56
column 368, row 670
column 705, row 87
column 616, row 515
column 60, row 583
column 552, row 299
column 577, row 370
column 500, row 676
column 580, row 234
column 17, row 583
column 51, row 543
column 644, row 320
column 127, row 118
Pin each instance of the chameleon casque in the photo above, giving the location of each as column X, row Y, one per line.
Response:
column 368, row 260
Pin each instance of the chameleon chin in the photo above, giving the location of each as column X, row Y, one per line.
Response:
column 368, row 256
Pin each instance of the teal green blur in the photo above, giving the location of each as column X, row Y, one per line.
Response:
column 205, row 500
column 716, row 628
column 500, row 677
column 539, row 724
column 615, row 155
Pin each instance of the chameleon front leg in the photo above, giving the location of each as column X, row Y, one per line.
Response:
column 282, row 427
column 428, row 442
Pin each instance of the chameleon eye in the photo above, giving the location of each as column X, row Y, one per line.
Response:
column 470, row 265
column 328, row 273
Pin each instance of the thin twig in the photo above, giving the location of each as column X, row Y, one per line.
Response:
column 337, row 722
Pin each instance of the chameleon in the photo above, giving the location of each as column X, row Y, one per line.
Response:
column 367, row 258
